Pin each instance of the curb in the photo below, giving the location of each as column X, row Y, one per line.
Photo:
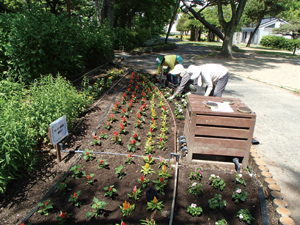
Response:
column 271, row 189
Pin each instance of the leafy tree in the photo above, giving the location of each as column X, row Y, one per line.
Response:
column 182, row 24
column 256, row 10
column 292, row 29
column 151, row 14
column 228, row 25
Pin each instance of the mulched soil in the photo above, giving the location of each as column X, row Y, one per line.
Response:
column 24, row 194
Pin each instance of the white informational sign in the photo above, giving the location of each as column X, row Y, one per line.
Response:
column 58, row 130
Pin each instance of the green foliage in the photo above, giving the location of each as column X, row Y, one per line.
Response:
column 25, row 116
column 239, row 195
column 217, row 202
column 98, row 207
column 37, row 42
column 217, row 182
column 279, row 42
column 194, row 210
column 245, row 216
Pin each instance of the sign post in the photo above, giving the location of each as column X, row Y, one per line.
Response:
column 58, row 130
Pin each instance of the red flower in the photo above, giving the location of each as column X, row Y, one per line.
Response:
column 151, row 130
column 149, row 157
column 130, row 104
column 22, row 223
column 129, row 155
column 115, row 133
column 161, row 180
column 62, row 215
column 132, row 142
column 94, row 136
column 123, row 223
column 103, row 132
column 128, row 90
column 88, row 177
column 122, row 126
column 161, row 139
column 108, row 123
column 112, row 116
column 144, row 105
column 133, row 73
column 124, row 119
column 139, row 115
column 135, row 135
column 75, row 195
column 139, row 122
column 153, row 119
column 124, row 95
column 142, row 178
column 118, row 103
column 47, row 203
column 133, row 96
column 123, row 99
column 110, row 188
column 144, row 94
column 124, row 110
column 101, row 161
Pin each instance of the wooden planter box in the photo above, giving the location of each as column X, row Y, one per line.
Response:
column 218, row 137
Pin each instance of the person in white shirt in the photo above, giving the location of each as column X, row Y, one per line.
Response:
column 215, row 76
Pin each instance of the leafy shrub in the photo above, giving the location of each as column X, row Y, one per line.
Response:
column 39, row 43
column 25, row 116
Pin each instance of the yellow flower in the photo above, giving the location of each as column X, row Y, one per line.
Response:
column 92, row 93
column 147, row 165
column 149, row 139
column 90, row 97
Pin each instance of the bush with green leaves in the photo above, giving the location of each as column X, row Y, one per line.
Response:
column 37, row 43
column 26, row 114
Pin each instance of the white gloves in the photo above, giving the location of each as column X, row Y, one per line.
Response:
column 173, row 96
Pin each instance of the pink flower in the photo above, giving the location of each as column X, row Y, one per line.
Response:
column 193, row 205
column 239, row 191
column 134, row 189
column 194, row 184
column 161, row 159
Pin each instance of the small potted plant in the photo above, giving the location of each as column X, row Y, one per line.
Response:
column 136, row 193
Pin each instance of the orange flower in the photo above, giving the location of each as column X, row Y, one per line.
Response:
column 164, row 168
column 126, row 205
column 155, row 200
column 75, row 195
column 94, row 136
column 101, row 161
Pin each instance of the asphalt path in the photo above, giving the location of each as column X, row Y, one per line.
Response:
column 277, row 109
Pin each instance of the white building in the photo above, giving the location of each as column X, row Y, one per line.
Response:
column 265, row 28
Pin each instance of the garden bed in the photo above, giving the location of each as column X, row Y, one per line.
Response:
column 81, row 139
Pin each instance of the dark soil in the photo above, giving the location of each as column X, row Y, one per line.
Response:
column 23, row 195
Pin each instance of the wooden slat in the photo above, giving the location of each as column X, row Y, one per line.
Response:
column 219, row 143
column 223, row 121
column 214, row 150
column 221, row 132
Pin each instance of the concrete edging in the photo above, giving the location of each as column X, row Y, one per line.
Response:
column 270, row 187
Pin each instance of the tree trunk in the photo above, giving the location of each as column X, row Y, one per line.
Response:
column 172, row 20
column 107, row 12
column 193, row 33
column 200, row 33
column 253, row 33
column 98, row 12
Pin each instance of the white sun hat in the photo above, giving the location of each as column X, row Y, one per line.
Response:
column 178, row 69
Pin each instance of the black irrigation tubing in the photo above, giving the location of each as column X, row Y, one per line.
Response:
column 35, row 208
column 263, row 205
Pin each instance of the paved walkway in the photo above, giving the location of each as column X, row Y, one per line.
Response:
column 257, row 81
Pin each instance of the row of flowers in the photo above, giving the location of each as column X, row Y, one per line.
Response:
column 217, row 202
